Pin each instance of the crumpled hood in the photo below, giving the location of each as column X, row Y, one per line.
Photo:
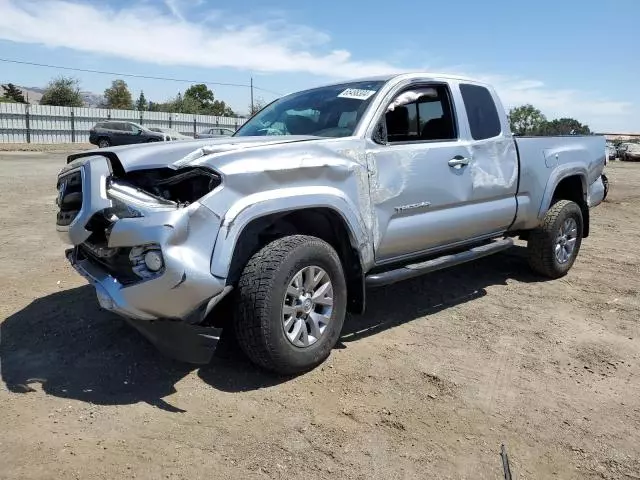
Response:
column 165, row 154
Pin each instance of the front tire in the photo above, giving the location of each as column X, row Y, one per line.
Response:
column 104, row 143
column 291, row 304
column 554, row 246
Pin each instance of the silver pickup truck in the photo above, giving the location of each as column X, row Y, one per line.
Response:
column 276, row 232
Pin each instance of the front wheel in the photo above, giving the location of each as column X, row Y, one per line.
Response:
column 554, row 245
column 291, row 304
column 104, row 143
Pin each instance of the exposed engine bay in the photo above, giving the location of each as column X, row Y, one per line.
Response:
column 183, row 186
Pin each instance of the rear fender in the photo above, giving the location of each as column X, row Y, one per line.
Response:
column 557, row 175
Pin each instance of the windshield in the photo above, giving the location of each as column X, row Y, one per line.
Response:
column 332, row 111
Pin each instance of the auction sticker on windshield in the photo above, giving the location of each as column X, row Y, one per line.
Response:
column 356, row 94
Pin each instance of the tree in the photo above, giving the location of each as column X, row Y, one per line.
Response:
column 563, row 126
column 220, row 109
column 118, row 95
column 195, row 101
column 13, row 93
column 199, row 99
column 62, row 92
column 526, row 120
column 258, row 104
column 141, row 103
column 201, row 94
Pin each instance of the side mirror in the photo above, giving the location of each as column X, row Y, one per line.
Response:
column 380, row 132
column 139, row 132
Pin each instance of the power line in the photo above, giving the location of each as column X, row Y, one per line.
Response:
column 168, row 79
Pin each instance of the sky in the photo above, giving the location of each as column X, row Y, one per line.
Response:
column 572, row 58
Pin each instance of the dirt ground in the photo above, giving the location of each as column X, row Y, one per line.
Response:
column 428, row 384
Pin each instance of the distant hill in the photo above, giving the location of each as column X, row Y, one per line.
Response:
column 34, row 94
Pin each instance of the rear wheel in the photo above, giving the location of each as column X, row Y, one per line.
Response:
column 291, row 305
column 104, row 143
column 554, row 246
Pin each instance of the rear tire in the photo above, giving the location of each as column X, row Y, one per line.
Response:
column 554, row 245
column 273, row 318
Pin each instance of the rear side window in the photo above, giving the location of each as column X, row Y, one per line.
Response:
column 481, row 111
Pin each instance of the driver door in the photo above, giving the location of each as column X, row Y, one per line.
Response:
column 421, row 180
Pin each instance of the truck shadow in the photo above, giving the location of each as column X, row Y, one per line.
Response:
column 72, row 349
column 435, row 292
column 64, row 345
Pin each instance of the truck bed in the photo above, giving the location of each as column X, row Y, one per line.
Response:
column 545, row 160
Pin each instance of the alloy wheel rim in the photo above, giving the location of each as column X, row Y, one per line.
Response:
column 566, row 240
column 307, row 306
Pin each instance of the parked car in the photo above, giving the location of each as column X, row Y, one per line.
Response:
column 632, row 152
column 612, row 151
column 621, row 148
column 112, row 133
column 215, row 132
column 277, row 232
column 170, row 134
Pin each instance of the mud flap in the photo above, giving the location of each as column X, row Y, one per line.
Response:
column 180, row 341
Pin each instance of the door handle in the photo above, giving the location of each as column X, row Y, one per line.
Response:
column 458, row 162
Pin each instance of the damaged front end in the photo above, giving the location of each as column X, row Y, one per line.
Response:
column 144, row 241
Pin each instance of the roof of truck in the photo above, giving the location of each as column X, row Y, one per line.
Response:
column 402, row 75
column 413, row 75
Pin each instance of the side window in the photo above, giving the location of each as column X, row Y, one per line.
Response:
column 481, row 111
column 421, row 114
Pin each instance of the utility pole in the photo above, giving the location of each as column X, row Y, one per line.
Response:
column 251, row 112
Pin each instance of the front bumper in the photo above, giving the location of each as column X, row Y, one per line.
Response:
column 184, row 289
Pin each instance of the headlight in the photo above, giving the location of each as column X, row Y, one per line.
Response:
column 122, row 210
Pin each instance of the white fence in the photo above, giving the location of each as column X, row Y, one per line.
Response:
column 23, row 123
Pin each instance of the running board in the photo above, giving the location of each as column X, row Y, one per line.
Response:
column 446, row 261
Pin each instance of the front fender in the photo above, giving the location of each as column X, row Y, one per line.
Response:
column 258, row 205
column 557, row 175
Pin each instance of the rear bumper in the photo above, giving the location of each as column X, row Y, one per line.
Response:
column 596, row 193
